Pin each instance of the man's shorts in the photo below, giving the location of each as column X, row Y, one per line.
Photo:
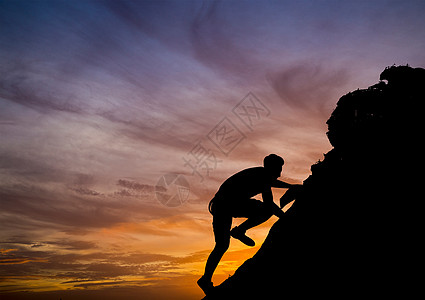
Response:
column 237, row 208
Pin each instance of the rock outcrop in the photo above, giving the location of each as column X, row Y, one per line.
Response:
column 355, row 228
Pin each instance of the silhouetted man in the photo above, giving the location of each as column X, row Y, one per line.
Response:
column 233, row 200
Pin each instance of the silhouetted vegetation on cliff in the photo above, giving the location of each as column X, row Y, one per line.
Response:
column 354, row 229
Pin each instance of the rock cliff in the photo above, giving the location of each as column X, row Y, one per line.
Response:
column 355, row 228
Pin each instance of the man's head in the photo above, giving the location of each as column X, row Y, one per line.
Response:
column 273, row 165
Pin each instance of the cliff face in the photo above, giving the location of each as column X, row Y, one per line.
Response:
column 354, row 229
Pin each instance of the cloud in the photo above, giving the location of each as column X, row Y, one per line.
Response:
column 26, row 83
column 86, row 191
column 33, row 207
column 132, row 185
column 19, row 260
column 308, row 86
column 70, row 264
column 74, row 244
column 213, row 43
column 97, row 284
column 5, row 251
column 46, row 208
column 21, row 166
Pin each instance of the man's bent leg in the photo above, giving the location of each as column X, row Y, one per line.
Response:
column 257, row 213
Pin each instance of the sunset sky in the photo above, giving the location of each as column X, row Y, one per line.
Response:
column 105, row 103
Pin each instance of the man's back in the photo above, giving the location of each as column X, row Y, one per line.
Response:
column 245, row 184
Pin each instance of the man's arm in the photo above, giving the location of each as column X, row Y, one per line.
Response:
column 268, row 200
column 290, row 194
column 281, row 184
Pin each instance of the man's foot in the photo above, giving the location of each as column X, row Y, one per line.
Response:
column 205, row 285
column 239, row 234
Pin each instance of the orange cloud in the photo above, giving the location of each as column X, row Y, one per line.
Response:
column 18, row 261
column 5, row 251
